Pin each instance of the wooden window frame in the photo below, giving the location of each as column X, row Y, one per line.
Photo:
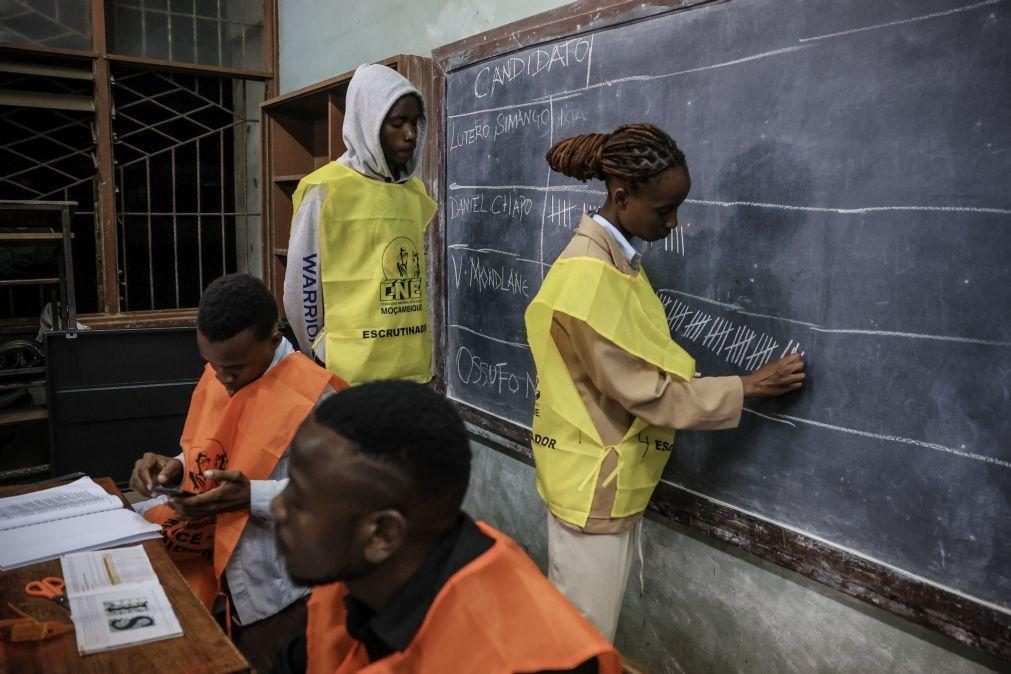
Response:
column 109, row 315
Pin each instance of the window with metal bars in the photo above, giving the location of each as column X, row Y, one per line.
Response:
column 161, row 152
column 47, row 144
column 183, row 147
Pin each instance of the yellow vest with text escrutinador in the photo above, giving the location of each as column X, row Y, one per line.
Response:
column 568, row 450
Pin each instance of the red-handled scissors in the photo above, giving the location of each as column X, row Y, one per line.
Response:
column 48, row 588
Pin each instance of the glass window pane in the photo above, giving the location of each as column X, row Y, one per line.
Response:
column 223, row 33
column 181, row 38
column 60, row 24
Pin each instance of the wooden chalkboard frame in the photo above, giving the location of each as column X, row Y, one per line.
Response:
column 909, row 597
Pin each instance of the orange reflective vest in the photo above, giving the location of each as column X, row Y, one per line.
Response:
column 248, row 432
column 496, row 615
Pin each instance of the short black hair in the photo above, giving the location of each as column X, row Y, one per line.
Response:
column 410, row 428
column 234, row 303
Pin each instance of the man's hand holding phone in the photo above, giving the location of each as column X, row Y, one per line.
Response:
column 232, row 493
column 154, row 469
column 173, row 492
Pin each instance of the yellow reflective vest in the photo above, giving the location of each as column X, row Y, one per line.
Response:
column 372, row 273
column 568, row 450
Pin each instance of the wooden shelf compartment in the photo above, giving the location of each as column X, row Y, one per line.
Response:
column 22, row 473
column 10, row 283
column 21, row 372
column 294, row 178
column 30, row 238
column 23, row 414
column 15, row 385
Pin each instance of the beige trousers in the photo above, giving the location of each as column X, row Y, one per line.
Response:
column 591, row 570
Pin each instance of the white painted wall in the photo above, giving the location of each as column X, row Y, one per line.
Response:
column 323, row 38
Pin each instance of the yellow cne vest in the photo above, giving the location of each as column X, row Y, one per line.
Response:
column 568, row 451
column 372, row 271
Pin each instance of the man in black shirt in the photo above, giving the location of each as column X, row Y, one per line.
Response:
column 371, row 517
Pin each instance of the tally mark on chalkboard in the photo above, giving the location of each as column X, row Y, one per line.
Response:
column 547, row 181
column 899, row 22
column 814, row 327
column 673, row 242
column 718, row 333
column 747, row 348
column 736, row 344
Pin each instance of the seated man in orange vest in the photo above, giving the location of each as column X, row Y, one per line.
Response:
column 405, row 581
column 254, row 393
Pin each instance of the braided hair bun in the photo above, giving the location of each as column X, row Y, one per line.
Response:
column 633, row 153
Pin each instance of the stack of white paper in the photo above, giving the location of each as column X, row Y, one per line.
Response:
column 116, row 600
column 78, row 516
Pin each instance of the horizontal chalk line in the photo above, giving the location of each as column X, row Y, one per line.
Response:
column 914, row 335
column 863, row 210
column 649, row 78
column 725, row 305
column 482, row 250
column 766, row 416
column 493, row 251
column 489, row 337
column 787, row 320
column 540, row 101
column 901, row 21
column 843, row 548
column 583, row 189
column 896, row 438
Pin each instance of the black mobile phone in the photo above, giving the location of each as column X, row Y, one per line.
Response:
column 171, row 491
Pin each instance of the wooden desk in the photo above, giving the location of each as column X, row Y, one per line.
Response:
column 203, row 648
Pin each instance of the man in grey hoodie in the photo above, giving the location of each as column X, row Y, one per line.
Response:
column 357, row 223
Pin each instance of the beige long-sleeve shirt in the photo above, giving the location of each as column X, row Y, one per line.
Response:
column 616, row 386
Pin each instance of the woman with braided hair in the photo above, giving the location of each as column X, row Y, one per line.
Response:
column 612, row 384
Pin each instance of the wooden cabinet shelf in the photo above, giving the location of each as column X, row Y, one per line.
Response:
column 22, row 415
column 21, row 372
column 294, row 178
column 30, row 238
column 302, row 131
column 45, row 225
column 14, row 386
column 37, row 236
column 10, row 283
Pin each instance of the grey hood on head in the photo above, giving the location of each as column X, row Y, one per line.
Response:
column 373, row 90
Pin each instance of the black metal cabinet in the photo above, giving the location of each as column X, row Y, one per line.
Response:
column 115, row 394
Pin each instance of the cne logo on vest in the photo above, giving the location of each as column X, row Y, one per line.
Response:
column 402, row 272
